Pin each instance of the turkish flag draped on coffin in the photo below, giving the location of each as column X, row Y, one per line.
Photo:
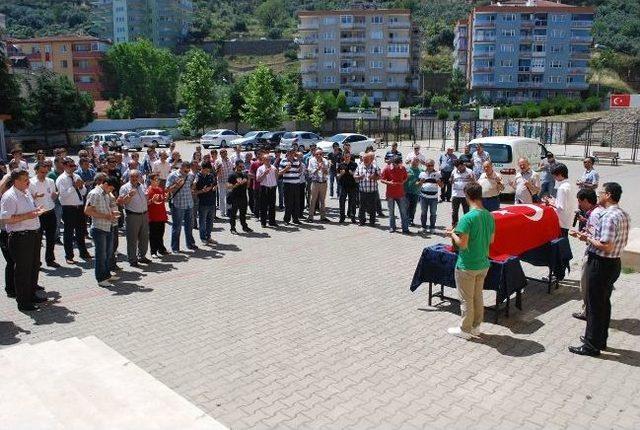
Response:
column 520, row 228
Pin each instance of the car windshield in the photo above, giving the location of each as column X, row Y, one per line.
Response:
column 163, row 133
column 337, row 138
column 111, row 137
column 288, row 136
column 500, row 153
column 212, row 132
column 251, row 134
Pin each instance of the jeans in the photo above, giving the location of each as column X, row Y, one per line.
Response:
column 412, row 204
column 181, row 217
column 205, row 221
column 546, row 189
column 402, row 206
column 445, row 194
column 73, row 217
column 195, row 212
column 332, row 179
column 115, row 240
column 491, row 203
column 48, row 223
column 58, row 211
column 455, row 203
column 431, row 206
column 103, row 243
column 470, row 284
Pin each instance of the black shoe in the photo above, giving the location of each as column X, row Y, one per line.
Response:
column 362, row 224
column 53, row 264
column 11, row 295
column 273, row 224
column 297, row 222
column 145, row 260
column 341, row 219
column 39, row 288
column 134, row 264
column 58, row 241
column 584, row 350
column 193, row 247
column 233, row 231
column 28, row 308
column 165, row 252
column 353, row 220
column 86, row 256
column 37, row 299
column 579, row 315
column 115, row 268
column 584, row 341
column 263, row 225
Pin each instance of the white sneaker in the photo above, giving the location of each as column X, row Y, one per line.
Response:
column 475, row 331
column 105, row 284
column 457, row 331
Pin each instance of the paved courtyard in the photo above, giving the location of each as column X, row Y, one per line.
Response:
column 315, row 327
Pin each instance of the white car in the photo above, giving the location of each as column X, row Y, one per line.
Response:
column 303, row 138
column 358, row 142
column 130, row 139
column 113, row 139
column 219, row 138
column 155, row 137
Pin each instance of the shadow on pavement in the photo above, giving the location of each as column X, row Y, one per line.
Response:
column 510, row 346
column 627, row 325
column 51, row 313
column 63, row 272
column 9, row 333
column 624, row 356
column 120, row 288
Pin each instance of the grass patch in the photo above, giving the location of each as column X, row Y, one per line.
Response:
column 628, row 270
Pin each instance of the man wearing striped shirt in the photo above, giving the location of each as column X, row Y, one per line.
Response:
column 290, row 173
column 367, row 176
column 604, row 249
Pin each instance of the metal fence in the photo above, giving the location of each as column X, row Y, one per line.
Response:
column 566, row 138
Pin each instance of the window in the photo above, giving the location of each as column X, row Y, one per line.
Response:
column 346, row 19
column 393, row 19
column 85, row 79
column 64, row 64
column 509, row 33
column 558, row 33
column 377, row 64
column 506, row 78
column 555, row 64
column 375, row 79
column 537, row 62
column 509, row 17
column 329, row 20
column 554, row 79
column 538, row 48
column 329, row 50
column 329, row 79
column 377, row 19
column 397, row 48
column 506, row 63
column 376, row 49
column 329, row 65
column 559, row 18
column 556, row 48
column 377, row 35
column 63, row 48
column 328, row 36
column 506, row 48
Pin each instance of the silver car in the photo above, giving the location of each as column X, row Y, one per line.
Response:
column 130, row 139
column 155, row 137
column 304, row 139
column 218, row 138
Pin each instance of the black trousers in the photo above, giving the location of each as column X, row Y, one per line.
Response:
column 302, row 193
column 74, row 220
column 238, row 210
column 115, row 231
column 9, row 268
column 48, row 226
column 291, row 202
column 601, row 273
column 267, row 205
column 256, row 202
column 156, row 235
column 350, row 194
column 368, row 203
column 250, row 200
column 24, row 247
column 455, row 204
column 445, row 192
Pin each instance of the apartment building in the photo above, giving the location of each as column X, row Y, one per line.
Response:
column 77, row 57
column 164, row 22
column 519, row 50
column 368, row 51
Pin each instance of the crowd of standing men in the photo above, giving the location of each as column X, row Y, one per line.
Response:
column 113, row 191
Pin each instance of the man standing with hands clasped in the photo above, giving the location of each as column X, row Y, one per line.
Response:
column 472, row 237
column 604, row 249
column 133, row 196
column 267, row 176
column 318, row 171
column 72, row 191
column 394, row 175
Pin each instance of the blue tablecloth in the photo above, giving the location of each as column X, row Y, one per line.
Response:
column 556, row 255
column 437, row 266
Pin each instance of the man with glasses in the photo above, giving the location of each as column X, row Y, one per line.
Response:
column 133, row 197
column 72, row 190
column 590, row 177
column 604, row 250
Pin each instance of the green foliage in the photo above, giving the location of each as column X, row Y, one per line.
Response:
column 148, row 75
column 318, row 116
column 56, row 104
column 272, row 14
column 303, row 111
column 121, row 108
column 206, row 100
column 11, row 102
column 330, row 104
column 443, row 114
column 457, row 88
column 262, row 107
column 341, row 102
column 365, row 103
column 441, row 102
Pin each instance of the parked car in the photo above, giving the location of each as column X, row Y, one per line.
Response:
column 505, row 151
column 113, row 139
column 219, row 138
column 303, row 138
column 130, row 139
column 270, row 140
column 358, row 142
column 249, row 140
column 155, row 137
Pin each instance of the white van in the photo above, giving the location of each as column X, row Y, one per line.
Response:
column 505, row 151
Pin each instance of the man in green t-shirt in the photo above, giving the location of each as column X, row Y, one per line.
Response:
column 472, row 237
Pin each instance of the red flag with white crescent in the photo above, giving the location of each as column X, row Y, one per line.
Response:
column 619, row 101
column 520, row 228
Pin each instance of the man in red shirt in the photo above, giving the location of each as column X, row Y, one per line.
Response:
column 394, row 175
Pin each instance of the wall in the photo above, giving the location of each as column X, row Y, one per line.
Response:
column 248, row 47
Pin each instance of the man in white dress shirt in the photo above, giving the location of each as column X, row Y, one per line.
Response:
column 44, row 193
column 72, row 191
column 564, row 203
column 319, row 172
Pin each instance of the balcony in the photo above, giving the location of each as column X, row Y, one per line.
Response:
column 34, row 56
column 350, row 70
column 578, row 71
column 351, row 54
column 527, row 24
column 398, row 55
column 484, row 69
column 308, row 26
column 90, row 87
column 353, row 25
column 399, row 24
column 399, row 39
column 485, row 39
column 311, row 68
column 87, row 54
column 539, row 54
column 402, row 70
column 354, row 84
column 577, row 84
column 581, row 24
column 90, row 70
column 397, row 85
column 307, row 56
column 581, row 39
column 537, row 69
column 355, row 39
column 484, row 24
column 306, row 40
column 484, row 54
column 539, row 38
column 309, row 84
column 580, row 55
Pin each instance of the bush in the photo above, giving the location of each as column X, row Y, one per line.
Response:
column 533, row 112
column 456, row 116
column 274, row 33
column 443, row 114
column 291, row 54
column 592, row 103
column 441, row 102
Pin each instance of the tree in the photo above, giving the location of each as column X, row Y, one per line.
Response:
column 304, row 109
column 330, row 105
column 440, row 102
column 120, row 109
column 341, row 101
column 457, row 88
column 11, row 102
column 317, row 112
column 262, row 108
column 272, row 13
column 56, row 104
column 365, row 103
column 146, row 74
column 206, row 100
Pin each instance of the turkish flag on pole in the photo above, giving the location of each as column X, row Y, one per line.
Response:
column 620, row 101
column 520, row 228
